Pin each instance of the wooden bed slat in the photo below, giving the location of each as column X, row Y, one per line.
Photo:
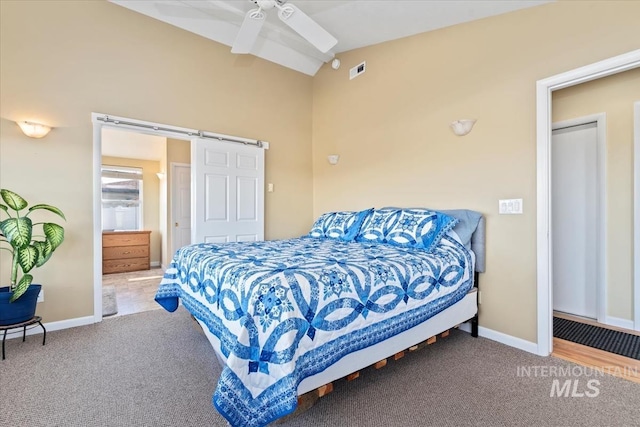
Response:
column 325, row 389
column 431, row 340
column 381, row 364
column 353, row 376
column 398, row 355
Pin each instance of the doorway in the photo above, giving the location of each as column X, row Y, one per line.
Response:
column 189, row 137
column 180, row 205
column 133, row 207
column 544, row 89
column 578, row 200
column 636, row 214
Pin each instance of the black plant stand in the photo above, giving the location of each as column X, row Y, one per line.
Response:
column 33, row 321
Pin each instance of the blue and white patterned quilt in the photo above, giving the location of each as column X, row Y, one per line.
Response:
column 287, row 309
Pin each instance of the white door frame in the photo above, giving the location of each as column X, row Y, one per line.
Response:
column 544, row 88
column 601, row 203
column 140, row 126
column 636, row 215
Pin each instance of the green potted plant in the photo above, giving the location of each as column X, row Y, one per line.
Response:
column 30, row 247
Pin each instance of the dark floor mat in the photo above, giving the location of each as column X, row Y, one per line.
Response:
column 617, row 342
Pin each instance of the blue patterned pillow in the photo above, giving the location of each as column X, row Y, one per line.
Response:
column 377, row 225
column 318, row 228
column 342, row 225
column 415, row 228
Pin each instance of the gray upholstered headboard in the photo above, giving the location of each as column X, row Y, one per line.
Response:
column 478, row 245
column 471, row 222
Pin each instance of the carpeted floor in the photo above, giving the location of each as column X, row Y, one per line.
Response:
column 617, row 342
column 158, row 369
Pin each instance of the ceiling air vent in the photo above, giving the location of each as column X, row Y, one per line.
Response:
column 357, row 70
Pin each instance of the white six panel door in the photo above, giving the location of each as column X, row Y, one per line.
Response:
column 228, row 193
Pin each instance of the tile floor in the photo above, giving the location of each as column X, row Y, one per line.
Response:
column 135, row 290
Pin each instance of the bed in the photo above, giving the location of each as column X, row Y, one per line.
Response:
column 288, row 316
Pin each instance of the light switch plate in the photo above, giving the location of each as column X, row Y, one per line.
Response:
column 510, row 206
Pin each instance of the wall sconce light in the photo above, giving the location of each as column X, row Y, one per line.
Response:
column 463, row 126
column 333, row 159
column 160, row 175
column 34, row 130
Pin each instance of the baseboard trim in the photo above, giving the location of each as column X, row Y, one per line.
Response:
column 53, row 326
column 509, row 340
column 154, row 264
column 619, row 323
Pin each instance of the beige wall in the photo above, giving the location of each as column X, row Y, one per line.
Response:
column 614, row 96
column 178, row 151
column 151, row 198
column 60, row 61
column 391, row 128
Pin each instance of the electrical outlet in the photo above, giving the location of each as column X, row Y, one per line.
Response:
column 40, row 296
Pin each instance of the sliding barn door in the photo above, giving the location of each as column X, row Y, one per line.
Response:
column 228, row 193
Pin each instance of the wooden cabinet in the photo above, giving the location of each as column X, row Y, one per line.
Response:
column 124, row 251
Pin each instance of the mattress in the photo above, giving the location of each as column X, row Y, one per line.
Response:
column 286, row 311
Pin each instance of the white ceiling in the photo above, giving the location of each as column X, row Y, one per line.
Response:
column 355, row 23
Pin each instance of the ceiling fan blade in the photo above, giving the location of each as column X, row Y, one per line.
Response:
column 306, row 27
column 251, row 26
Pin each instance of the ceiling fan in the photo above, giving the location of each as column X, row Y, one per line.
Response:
column 290, row 15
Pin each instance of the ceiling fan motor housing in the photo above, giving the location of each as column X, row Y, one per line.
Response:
column 268, row 4
column 288, row 13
